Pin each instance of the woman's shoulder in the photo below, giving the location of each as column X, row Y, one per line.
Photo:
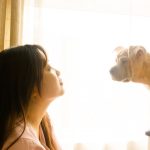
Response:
column 26, row 144
column 27, row 141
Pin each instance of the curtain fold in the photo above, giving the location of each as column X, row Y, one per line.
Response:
column 2, row 22
column 16, row 22
column 11, row 18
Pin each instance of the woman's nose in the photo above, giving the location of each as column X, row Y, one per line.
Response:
column 57, row 71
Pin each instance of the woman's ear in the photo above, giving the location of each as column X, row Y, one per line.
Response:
column 35, row 91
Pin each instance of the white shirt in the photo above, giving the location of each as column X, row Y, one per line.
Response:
column 28, row 140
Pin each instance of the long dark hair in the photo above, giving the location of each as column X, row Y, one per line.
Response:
column 21, row 69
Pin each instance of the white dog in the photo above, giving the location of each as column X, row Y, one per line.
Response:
column 132, row 64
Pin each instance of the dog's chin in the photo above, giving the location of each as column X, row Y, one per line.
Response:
column 119, row 80
column 126, row 80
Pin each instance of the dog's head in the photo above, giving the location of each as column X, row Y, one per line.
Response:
column 129, row 63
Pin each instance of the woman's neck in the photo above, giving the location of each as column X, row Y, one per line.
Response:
column 36, row 112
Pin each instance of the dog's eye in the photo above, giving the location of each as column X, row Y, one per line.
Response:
column 124, row 61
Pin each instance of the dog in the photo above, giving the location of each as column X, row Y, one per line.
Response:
column 132, row 64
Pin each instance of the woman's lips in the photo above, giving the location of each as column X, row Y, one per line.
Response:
column 60, row 81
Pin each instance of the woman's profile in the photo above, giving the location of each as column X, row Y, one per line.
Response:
column 28, row 84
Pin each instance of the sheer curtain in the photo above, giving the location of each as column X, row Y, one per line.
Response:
column 79, row 36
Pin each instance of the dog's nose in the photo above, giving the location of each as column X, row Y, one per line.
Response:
column 111, row 71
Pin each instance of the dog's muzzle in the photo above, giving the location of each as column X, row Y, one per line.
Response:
column 119, row 73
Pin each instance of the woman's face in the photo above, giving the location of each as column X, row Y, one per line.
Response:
column 52, row 85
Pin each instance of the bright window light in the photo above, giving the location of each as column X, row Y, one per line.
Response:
column 94, row 109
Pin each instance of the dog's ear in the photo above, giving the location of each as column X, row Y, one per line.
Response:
column 119, row 49
column 138, row 51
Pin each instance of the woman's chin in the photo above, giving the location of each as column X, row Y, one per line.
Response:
column 62, row 92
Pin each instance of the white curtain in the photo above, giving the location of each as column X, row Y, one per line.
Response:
column 79, row 36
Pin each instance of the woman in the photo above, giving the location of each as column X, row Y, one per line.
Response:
column 28, row 84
